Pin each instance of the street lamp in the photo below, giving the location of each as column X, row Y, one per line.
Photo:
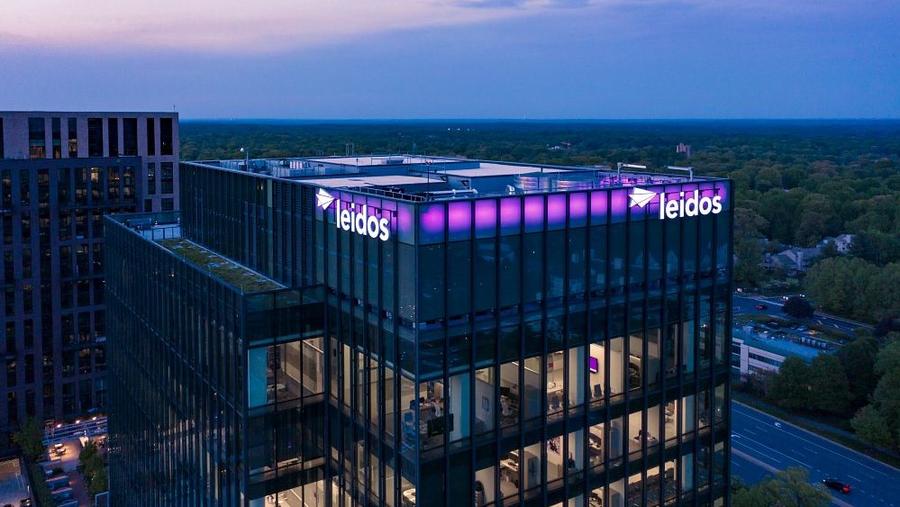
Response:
column 689, row 170
column 246, row 153
column 620, row 166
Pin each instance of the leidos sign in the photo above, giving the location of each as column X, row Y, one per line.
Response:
column 692, row 206
column 353, row 219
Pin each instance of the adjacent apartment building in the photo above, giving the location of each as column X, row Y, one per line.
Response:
column 60, row 172
column 401, row 331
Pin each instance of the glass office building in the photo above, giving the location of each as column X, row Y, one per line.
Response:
column 407, row 331
column 60, row 173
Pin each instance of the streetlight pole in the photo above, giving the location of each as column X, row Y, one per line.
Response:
column 246, row 153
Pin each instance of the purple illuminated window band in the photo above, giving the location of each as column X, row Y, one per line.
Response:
column 518, row 213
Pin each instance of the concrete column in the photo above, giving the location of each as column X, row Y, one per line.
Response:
column 575, row 384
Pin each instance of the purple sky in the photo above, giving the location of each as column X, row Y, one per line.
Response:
column 455, row 58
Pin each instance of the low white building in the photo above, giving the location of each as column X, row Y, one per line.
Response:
column 753, row 354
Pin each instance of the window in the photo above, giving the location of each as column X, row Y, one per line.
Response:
column 95, row 137
column 56, row 138
column 165, row 136
column 112, row 183
column 151, row 178
column 36, row 141
column 73, row 138
column 129, row 137
column 168, row 204
column 128, row 182
column 151, row 137
column 25, row 188
column 167, row 177
column 1, row 137
column 113, row 135
column 485, row 380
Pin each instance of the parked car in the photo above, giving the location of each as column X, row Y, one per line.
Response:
column 837, row 485
column 761, row 307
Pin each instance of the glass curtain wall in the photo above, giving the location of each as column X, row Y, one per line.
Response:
column 538, row 360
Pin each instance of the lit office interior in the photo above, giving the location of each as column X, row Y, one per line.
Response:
column 520, row 398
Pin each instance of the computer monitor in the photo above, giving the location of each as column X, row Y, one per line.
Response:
column 594, row 364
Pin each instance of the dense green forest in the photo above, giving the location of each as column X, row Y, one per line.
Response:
column 797, row 181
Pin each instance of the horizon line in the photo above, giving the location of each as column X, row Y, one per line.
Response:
column 538, row 120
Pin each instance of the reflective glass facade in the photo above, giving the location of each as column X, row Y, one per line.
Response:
column 565, row 346
column 53, row 299
column 60, row 174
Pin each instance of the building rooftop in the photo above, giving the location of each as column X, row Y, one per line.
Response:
column 421, row 178
column 164, row 229
column 782, row 346
column 13, row 483
column 247, row 280
column 372, row 181
column 485, row 169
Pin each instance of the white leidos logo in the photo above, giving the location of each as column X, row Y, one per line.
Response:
column 323, row 199
column 682, row 207
column 352, row 220
column 640, row 197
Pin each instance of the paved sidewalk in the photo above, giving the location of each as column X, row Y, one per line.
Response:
column 69, row 464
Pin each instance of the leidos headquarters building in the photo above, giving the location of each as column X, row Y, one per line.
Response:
column 409, row 331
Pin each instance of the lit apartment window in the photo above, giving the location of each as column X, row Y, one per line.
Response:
column 36, row 140
column 57, row 137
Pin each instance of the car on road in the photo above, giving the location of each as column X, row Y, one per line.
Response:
column 837, row 485
column 761, row 307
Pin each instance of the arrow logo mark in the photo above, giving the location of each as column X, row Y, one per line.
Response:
column 323, row 199
column 640, row 197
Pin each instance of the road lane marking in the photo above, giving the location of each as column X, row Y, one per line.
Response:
column 821, row 446
column 751, row 449
column 781, row 453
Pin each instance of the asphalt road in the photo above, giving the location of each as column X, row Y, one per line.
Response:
column 746, row 305
column 762, row 445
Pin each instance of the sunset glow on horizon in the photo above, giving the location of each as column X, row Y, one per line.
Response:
column 455, row 58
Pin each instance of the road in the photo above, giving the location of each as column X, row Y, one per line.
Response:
column 762, row 444
column 746, row 305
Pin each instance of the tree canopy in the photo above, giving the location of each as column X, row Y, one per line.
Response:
column 29, row 439
column 787, row 488
column 798, row 307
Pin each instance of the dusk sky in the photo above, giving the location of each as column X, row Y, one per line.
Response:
column 455, row 58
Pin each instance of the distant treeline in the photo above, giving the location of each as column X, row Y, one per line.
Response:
column 797, row 181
